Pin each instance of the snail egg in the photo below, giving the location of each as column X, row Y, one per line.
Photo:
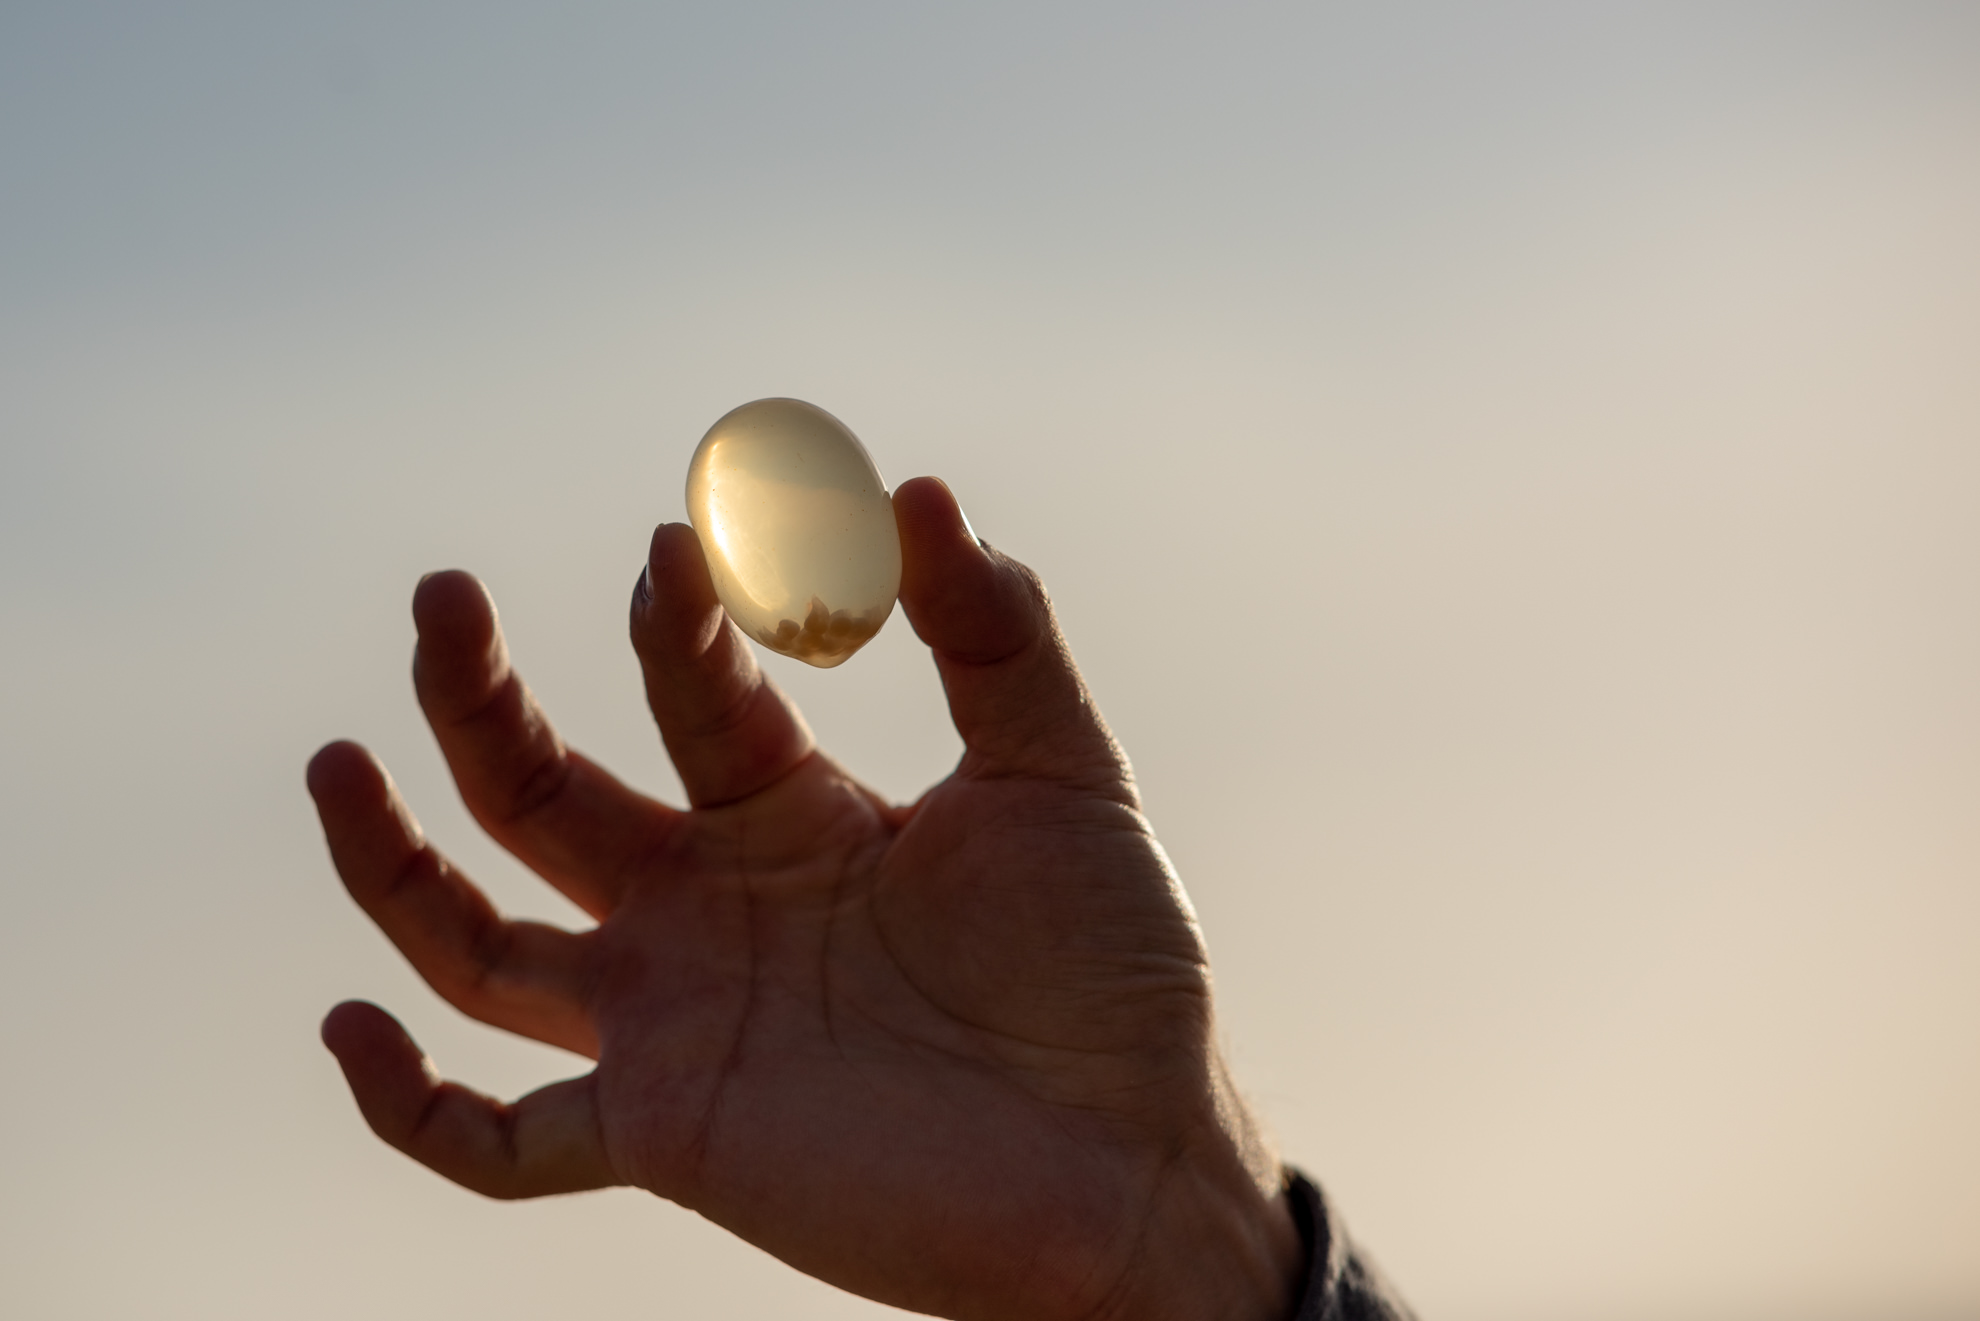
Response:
column 797, row 528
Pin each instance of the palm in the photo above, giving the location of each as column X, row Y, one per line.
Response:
column 845, row 992
column 943, row 1055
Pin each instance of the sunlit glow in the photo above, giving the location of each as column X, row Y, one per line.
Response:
column 798, row 529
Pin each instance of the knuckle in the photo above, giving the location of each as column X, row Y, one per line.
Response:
column 541, row 784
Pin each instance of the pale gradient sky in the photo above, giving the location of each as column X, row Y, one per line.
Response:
column 1511, row 476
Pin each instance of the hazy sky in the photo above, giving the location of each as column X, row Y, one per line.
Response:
column 1511, row 475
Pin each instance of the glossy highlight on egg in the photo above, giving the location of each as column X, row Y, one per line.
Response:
column 797, row 528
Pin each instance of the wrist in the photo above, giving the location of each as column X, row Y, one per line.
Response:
column 1221, row 1244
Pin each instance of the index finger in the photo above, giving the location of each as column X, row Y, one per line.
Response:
column 730, row 731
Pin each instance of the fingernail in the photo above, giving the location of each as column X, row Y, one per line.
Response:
column 646, row 581
column 967, row 528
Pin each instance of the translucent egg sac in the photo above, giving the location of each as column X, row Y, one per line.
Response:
column 797, row 528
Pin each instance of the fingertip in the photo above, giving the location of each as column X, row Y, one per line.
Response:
column 453, row 605
column 925, row 508
column 365, row 822
column 461, row 660
column 350, row 1024
column 675, row 605
column 340, row 767
column 965, row 601
column 676, row 569
column 389, row 1076
column 671, row 541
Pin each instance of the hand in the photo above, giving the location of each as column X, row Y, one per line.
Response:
column 957, row 1057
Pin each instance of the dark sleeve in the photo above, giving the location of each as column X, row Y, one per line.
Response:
column 1342, row 1284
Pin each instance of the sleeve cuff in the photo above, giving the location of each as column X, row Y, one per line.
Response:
column 1341, row 1283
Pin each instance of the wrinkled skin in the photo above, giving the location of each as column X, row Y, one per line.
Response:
column 957, row 1056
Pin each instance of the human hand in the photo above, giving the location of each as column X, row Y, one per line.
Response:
column 956, row 1056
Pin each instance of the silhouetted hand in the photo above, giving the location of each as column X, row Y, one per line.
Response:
column 957, row 1057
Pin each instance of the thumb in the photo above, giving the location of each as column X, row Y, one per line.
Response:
column 1014, row 691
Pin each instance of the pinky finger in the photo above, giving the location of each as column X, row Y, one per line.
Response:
column 547, row 1142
